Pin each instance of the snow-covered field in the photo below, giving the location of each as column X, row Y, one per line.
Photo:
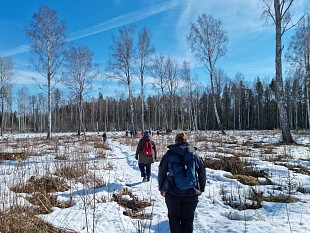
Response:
column 111, row 175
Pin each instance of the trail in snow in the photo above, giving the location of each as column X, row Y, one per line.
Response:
column 126, row 167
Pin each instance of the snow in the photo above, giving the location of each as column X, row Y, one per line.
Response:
column 93, row 210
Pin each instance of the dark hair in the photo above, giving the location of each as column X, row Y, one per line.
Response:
column 180, row 137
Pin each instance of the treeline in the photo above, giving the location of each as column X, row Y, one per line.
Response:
column 242, row 106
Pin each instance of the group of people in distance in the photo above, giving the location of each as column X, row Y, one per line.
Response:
column 181, row 202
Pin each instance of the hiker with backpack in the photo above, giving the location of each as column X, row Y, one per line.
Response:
column 146, row 154
column 181, row 179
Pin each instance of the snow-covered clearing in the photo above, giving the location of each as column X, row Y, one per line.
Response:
column 111, row 174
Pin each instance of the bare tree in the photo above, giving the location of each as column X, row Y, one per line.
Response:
column 173, row 81
column 79, row 75
column 23, row 108
column 208, row 42
column 7, row 74
column 146, row 50
column 159, row 73
column 279, row 12
column 57, row 99
column 188, row 82
column 299, row 55
column 47, row 38
column 121, row 63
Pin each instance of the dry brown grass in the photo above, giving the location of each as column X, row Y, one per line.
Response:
column 240, row 169
column 101, row 145
column 91, row 181
column 23, row 220
column 15, row 156
column 297, row 168
column 244, row 179
column 72, row 171
column 45, row 202
column 45, row 184
column 281, row 199
column 251, row 200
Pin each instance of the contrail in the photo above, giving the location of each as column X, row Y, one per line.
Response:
column 124, row 19
column 112, row 23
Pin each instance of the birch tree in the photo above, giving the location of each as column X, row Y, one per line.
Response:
column 208, row 43
column 299, row 55
column 121, row 62
column 173, row 81
column 279, row 11
column 47, row 38
column 146, row 50
column 79, row 76
column 159, row 73
column 7, row 74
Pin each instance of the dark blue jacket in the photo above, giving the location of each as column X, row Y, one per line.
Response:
column 165, row 183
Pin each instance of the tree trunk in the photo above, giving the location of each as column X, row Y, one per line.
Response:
column 215, row 104
column 49, row 96
column 132, row 124
column 2, row 112
column 283, row 118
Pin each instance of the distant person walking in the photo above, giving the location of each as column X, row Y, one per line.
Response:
column 181, row 179
column 104, row 137
column 146, row 154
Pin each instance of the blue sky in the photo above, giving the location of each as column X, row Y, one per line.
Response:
column 93, row 22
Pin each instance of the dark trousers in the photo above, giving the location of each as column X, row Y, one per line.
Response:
column 145, row 169
column 181, row 211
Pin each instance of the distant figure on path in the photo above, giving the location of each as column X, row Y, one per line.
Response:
column 146, row 154
column 181, row 185
column 104, row 137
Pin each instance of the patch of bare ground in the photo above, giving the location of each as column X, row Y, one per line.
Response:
column 133, row 206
